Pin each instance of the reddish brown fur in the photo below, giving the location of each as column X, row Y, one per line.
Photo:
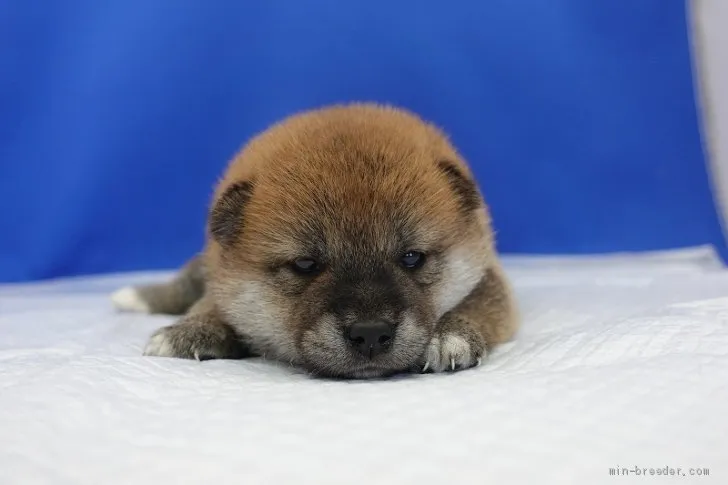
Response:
column 321, row 147
column 357, row 185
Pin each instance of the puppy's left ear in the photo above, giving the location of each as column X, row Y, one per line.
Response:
column 462, row 185
column 226, row 219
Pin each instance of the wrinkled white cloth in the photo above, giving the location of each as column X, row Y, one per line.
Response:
column 622, row 361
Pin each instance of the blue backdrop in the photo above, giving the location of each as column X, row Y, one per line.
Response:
column 116, row 118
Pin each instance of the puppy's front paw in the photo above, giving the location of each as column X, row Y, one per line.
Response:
column 454, row 347
column 194, row 341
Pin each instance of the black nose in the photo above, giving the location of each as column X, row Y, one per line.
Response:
column 371, row 338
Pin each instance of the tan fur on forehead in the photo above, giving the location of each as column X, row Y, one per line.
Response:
column 350, row 167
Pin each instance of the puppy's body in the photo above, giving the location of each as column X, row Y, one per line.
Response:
column 351, row 241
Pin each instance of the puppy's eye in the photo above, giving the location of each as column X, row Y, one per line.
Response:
column 306, row 266
column 412, row 259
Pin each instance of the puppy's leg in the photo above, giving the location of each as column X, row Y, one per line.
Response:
column 487, row 317
column 174, row 297
column 201, row 334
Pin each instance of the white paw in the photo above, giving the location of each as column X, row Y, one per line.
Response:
column 451, row 352
column 159, row 345
column 129, row 300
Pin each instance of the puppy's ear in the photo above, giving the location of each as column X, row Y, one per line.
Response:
column 465, row 189
column 226, row 217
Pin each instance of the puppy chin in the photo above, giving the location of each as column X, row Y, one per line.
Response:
column 366, row 371
column 373, row 372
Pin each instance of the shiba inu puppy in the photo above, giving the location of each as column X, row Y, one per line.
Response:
column 351, row 241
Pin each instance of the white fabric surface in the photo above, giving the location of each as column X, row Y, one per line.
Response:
column 622, row 361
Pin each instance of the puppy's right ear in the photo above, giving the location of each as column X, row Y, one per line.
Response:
column 226, row 217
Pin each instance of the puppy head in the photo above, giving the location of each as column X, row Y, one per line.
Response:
column 339, row 237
